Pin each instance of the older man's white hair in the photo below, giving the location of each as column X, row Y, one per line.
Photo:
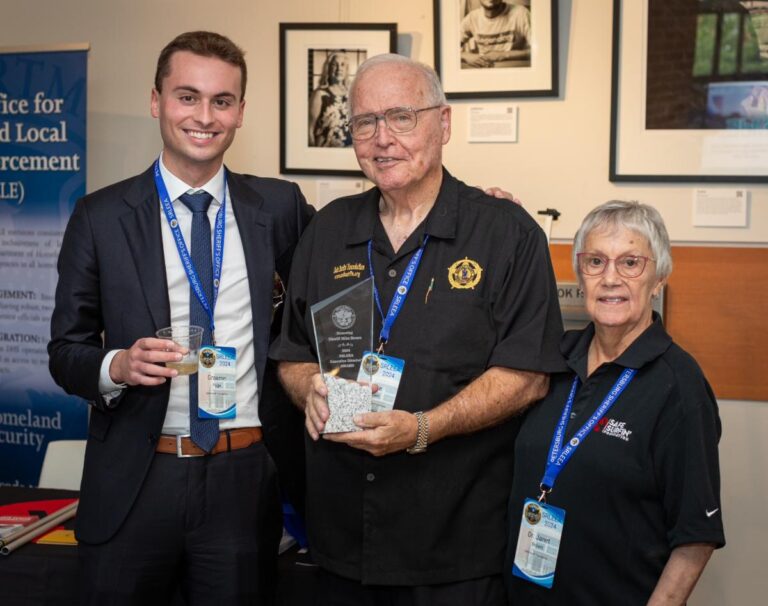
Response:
column 434, row 91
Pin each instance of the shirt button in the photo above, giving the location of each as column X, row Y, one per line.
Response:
column 370, row 477
column 392, row 273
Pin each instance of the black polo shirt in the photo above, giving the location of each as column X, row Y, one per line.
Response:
column 645, row 481
column 437, row 517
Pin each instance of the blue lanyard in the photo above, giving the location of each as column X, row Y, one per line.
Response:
column 181, row 246
column 559, row 456
column 398, row 300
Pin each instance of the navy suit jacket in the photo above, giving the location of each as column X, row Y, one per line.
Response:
column 112, row 290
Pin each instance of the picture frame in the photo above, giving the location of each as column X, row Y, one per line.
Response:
column 701, row 135
column 474, row 63
column 317, row 63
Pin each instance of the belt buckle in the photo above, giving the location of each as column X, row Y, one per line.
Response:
column 179, row 453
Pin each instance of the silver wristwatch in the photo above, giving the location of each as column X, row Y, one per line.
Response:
column 422, row 435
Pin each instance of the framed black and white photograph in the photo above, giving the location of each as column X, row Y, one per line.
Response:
column 496, row 48
column 689, row 78
column 317, row 64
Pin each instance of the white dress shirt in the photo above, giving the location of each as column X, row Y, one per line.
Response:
column 232, row 315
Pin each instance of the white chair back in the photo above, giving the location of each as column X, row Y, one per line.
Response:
column 63, row 465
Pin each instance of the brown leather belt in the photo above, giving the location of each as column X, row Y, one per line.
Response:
column 229, row 439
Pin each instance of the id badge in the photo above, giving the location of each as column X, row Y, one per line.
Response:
column 216, row 383
column 384, row 371
column 538, row 543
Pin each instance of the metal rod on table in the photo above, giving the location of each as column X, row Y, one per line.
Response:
column 33, row 531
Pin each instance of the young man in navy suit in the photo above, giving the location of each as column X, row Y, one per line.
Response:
column 162, row 509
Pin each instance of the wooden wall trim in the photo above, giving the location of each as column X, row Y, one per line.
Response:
column 716, row 308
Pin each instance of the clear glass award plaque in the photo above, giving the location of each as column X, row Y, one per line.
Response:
column 343, row 327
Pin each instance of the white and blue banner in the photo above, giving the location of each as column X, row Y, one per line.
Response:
column 42, row 173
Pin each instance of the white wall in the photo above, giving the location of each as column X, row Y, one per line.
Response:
column 561, row 161
column 735, row 576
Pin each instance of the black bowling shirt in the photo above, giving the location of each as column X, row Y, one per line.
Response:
column 439, row 516
column 645, row 481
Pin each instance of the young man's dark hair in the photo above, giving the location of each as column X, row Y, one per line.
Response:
column 205, row 44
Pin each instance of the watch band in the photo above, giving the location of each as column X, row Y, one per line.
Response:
column 422, row 434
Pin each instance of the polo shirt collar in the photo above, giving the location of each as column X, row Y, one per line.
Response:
column 651, row 344
column 442, row 220
column 361, row 219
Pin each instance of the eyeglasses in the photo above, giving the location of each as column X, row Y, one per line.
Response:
column 627, row 266
column 398, row 119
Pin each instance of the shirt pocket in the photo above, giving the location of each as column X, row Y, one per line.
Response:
column 457, row 333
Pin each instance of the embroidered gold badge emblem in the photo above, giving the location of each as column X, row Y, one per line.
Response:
column 465, row 273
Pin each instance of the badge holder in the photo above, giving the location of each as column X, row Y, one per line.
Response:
column 217, row 383
column 538, row 542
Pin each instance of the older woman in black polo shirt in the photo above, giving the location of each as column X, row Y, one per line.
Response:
column 616, row 489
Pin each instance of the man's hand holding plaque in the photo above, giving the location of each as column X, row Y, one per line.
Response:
column 343, row 326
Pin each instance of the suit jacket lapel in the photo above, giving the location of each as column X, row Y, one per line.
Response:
column 255, row 229
column 143, row 234
column 145, row 242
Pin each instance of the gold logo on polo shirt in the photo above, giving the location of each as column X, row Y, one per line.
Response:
column 348, row 270
column 465, row 273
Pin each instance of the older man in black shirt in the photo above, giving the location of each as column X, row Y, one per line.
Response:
column 478, row 331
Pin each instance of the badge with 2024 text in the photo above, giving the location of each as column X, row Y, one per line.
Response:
column 217, row 378
column 384, row 371
column 538, row 543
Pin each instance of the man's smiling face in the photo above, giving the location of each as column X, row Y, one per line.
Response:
column 399, row 162
column 199, row 110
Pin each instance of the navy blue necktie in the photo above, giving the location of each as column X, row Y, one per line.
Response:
column 204, row 432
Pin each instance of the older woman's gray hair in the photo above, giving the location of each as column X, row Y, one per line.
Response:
column 435, row 94
column 640, row 218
